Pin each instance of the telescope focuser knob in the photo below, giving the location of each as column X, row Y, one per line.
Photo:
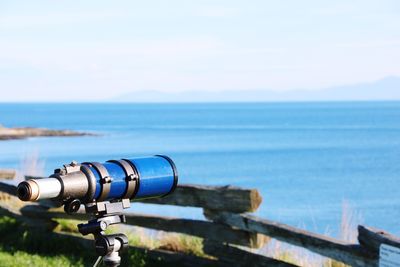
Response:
column 72, row 206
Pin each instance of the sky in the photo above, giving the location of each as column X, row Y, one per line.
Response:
column 98, row 50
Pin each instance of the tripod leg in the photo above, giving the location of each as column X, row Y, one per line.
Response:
column 98, row 261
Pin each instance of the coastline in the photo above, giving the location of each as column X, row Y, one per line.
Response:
column 26, row 132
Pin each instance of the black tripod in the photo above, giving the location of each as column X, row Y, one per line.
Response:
column 107, row 246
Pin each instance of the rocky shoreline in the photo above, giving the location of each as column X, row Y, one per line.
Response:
column 25, row 132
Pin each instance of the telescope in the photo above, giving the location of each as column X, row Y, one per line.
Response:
column 105, row 189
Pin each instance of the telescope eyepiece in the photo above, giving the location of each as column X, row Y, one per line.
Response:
column 28, row 191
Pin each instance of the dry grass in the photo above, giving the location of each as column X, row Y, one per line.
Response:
column 183, row 243
column 348, row 226
column 153, row 239
column 302, row 257
column 31, row 165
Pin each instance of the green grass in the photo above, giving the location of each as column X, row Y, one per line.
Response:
column 69, row 226
column 21, row 258
column 17, row 243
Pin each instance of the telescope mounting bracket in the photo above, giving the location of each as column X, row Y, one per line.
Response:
column 107, row 246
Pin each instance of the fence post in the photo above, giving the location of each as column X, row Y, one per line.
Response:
column 372, row 238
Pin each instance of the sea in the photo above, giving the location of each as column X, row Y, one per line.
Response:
column 312, row 162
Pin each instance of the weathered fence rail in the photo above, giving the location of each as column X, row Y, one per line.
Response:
column 228, row 225
column 213, row 198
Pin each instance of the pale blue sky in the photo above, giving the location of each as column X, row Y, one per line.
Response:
column 94, row 50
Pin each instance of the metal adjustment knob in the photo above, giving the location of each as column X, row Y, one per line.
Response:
column 104, row 245
column 72, row 206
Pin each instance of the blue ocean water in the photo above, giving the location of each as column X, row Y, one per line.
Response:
column 306, row 159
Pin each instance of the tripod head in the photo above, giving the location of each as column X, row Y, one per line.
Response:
column 107, row 246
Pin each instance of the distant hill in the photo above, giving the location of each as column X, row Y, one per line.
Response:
column 384, row 89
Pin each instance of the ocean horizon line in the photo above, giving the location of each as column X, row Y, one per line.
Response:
column 202, row 102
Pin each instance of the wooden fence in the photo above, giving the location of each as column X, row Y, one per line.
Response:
column 229, row 228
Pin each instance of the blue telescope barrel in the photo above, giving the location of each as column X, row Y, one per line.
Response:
column 156, row 177
column 134, row 178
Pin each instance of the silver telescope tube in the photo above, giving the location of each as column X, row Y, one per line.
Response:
column 36, row 189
